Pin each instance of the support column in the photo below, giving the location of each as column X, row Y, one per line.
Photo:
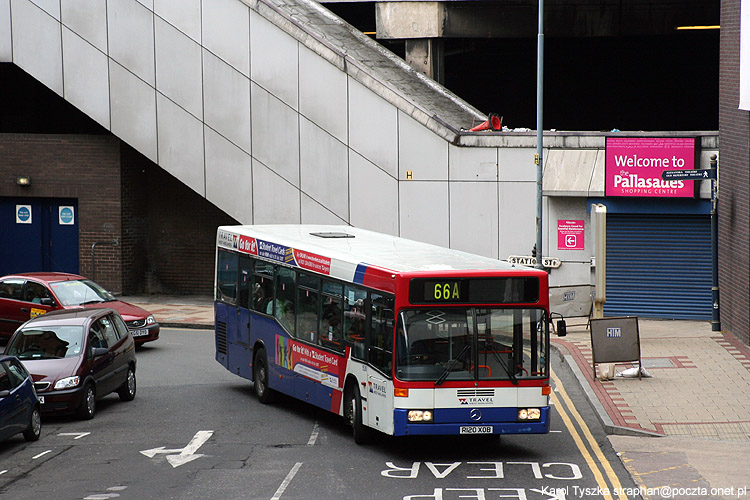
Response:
column 426, row 56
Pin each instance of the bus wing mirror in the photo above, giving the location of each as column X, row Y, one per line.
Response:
column 562, row 328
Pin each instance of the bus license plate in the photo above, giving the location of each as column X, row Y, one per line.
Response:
column 476, row 429
column 139, row 333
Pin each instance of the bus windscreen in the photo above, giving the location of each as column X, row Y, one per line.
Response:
column 498, row 290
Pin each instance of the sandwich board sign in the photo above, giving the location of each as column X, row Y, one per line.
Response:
column 615, row 340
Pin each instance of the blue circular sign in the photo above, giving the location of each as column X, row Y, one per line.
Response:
column 66, row 215
column 23, row 214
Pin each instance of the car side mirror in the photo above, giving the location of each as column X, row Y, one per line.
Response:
column 47, row 301
column 4, row 394
column 99, row 351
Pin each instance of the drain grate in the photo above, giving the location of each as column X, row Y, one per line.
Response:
column 657, row 363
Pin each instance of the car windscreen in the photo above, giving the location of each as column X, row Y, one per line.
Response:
column 80, row 292
column 49, row 342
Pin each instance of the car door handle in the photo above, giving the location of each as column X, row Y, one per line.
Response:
column 24, row 310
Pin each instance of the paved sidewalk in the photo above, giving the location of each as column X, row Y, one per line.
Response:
column 697, row 401
column 700, row 385
column 176, row 310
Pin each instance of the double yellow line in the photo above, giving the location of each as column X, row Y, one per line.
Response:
column 566, row 413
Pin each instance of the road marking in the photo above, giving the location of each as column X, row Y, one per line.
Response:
column 78, row 435
column 41, row 454
column 287, row 480
column 313, row 436
column 592, row 442
column 181, row 456
column 106, row 496
column 3, row 472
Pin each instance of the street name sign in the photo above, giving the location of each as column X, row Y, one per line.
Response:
column 531, row 261
column 689, row 175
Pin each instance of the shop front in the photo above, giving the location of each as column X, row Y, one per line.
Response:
column 658, row 259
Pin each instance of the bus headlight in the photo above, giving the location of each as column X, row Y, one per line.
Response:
column 420, row 415
column 529, row 414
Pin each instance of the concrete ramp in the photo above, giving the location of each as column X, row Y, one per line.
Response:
column 275, row 111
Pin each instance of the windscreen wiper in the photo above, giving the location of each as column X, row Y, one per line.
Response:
column 506, row 367
column 451, row 364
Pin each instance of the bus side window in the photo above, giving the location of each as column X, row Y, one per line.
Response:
column 285, row 285
column 262, row 286
column 307, row 307
column 226, row 277
column 355, row 317
column 332, row 315
column 245, row 277
column 381, row 332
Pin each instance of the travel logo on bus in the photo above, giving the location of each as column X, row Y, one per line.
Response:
column 227, row 240
column 476, row 401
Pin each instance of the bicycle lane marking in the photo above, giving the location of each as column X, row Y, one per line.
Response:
column 582, row 446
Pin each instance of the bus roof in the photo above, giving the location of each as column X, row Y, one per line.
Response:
column 343, row 250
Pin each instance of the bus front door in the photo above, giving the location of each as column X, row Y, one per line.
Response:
column 379, row 401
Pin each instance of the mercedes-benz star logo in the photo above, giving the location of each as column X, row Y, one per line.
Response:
column 475, row 415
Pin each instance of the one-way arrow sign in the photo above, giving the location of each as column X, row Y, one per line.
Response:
column 688, row 175
column 181, row 456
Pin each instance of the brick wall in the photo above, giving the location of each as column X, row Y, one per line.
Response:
column 166, row 232
column 86, row 167
column 734, row 187
column 134, row 220
column 181, row 237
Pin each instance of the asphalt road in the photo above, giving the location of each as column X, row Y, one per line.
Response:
column 196, row 431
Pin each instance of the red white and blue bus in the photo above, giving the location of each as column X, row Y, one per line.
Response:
column 395, row 335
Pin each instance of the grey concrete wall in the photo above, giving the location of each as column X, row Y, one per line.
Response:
column 279, row 112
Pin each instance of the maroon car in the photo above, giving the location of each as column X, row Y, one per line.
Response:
column 76, row 357
column 27, row 295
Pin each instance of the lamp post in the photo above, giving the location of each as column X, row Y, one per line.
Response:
column 715, row 316
column 539, row 157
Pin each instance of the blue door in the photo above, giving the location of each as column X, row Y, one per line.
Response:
column 38, row 234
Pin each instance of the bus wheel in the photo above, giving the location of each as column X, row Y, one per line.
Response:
column 260, row 377
column 354, row 416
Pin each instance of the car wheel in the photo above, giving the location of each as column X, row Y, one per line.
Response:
column 361, row 432
column 88, row 403
column 260, row 377
column 127, row 390
column 34, row 430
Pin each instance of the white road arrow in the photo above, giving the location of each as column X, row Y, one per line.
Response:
column 181, row 456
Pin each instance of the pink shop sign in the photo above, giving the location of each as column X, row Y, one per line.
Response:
column 570, row 234
column 634, row 166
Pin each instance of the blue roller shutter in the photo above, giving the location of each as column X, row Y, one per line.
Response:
column 659, row 266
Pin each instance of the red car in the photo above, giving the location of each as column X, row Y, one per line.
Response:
column 27, row 295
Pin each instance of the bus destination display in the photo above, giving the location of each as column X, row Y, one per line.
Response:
column 473, row 290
